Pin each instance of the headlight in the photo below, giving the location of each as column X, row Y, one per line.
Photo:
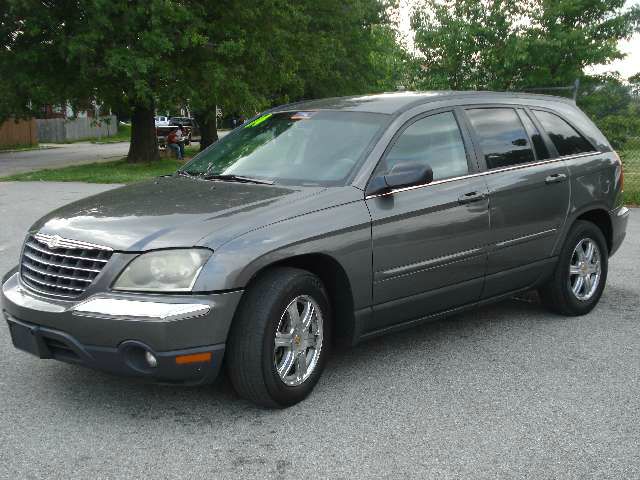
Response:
column 163, row 271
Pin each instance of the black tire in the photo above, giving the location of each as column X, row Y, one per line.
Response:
column 557, row 295
column 250, row 348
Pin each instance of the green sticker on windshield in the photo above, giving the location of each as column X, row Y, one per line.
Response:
column 259, row 120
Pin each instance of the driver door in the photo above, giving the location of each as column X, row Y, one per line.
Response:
column 429, row 251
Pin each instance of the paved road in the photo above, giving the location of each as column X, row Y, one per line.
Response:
column 509, row 391
column 60, row 155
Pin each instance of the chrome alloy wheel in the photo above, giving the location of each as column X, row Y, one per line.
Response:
column 585, row 269
column 298, row 341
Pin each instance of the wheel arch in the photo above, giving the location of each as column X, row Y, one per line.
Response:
column 336, row 281
column 600, row 218
column 594, row 213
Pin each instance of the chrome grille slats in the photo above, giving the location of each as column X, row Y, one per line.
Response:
column 44, row 272
column 40, row 283
column 49, row 252
column 61, row 267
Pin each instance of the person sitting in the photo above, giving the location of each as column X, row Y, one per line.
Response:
column 172, row 143
column 181, row 138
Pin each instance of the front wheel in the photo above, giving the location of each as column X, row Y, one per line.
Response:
column 581, row 273
column 279, row 340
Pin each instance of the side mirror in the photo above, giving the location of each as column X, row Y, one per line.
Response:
column 402, row 175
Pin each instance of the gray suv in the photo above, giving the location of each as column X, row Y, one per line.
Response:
column 343, row 218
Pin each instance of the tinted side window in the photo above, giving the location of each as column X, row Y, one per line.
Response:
column 565, row 138
column 435, row 140
column 502, row 137
column 542, row 152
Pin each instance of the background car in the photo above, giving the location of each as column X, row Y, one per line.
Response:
column 161, row 121
column 190, row 127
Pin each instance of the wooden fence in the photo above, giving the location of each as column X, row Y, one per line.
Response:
column 22, row 132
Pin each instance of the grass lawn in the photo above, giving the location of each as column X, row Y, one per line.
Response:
column 118, row 171
column 105, row 172
column 631, row 161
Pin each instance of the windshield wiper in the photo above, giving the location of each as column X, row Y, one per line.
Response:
column 184, row 173
column 236, row 178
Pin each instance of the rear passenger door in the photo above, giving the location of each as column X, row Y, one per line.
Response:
column 528, row 196
column 428, row 240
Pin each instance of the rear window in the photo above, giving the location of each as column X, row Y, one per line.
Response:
column 565, row 138
column 502, row 137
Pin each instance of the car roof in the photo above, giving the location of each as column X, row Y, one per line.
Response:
column 397, row 102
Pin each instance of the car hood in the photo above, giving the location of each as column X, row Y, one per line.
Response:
column 184, row 212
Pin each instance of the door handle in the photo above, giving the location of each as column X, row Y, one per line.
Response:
column 471, row 197
column 555, row 178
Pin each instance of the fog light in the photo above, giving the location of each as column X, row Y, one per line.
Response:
column 151, row 359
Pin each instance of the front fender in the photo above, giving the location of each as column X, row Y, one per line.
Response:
column 342, row 232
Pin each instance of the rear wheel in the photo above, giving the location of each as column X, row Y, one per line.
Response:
column 581, row 273
column 278, row 344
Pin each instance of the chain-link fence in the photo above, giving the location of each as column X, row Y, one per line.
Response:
column 630, row 154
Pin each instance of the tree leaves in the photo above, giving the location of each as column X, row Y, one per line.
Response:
column 506, row 44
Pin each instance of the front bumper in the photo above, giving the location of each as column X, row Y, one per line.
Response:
column 86, row 332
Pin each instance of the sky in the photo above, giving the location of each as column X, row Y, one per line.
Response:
column 630, row 65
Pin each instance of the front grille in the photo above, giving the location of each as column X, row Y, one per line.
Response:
column 61, row 267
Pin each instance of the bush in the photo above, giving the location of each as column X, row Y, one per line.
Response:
column 619, row 128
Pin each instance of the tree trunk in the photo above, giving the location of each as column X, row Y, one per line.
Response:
column 208, row 128
column 144, row 143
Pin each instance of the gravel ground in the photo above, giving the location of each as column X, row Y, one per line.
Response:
column 507, row 391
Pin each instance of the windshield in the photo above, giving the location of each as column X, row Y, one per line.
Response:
column 295, row 148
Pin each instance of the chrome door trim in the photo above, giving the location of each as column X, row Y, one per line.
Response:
column 429, row 264
column 486, row 172
column 524, row 238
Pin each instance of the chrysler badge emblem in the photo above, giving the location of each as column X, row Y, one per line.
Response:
column 54, row 242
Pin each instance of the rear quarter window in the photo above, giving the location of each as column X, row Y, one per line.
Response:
column 566, row 139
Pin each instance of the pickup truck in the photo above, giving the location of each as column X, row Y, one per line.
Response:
column 190, row 130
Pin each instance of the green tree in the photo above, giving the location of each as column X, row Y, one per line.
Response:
column 247, row 58
column 125, row 54
column 610, row 102
column 603, row 95
column 346, row 47
column 135, row 55
column 277, row 51
column 508, row 44
column 634, row 81
column 466, row 44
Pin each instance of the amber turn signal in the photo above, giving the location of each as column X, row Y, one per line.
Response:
column 193, row 358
